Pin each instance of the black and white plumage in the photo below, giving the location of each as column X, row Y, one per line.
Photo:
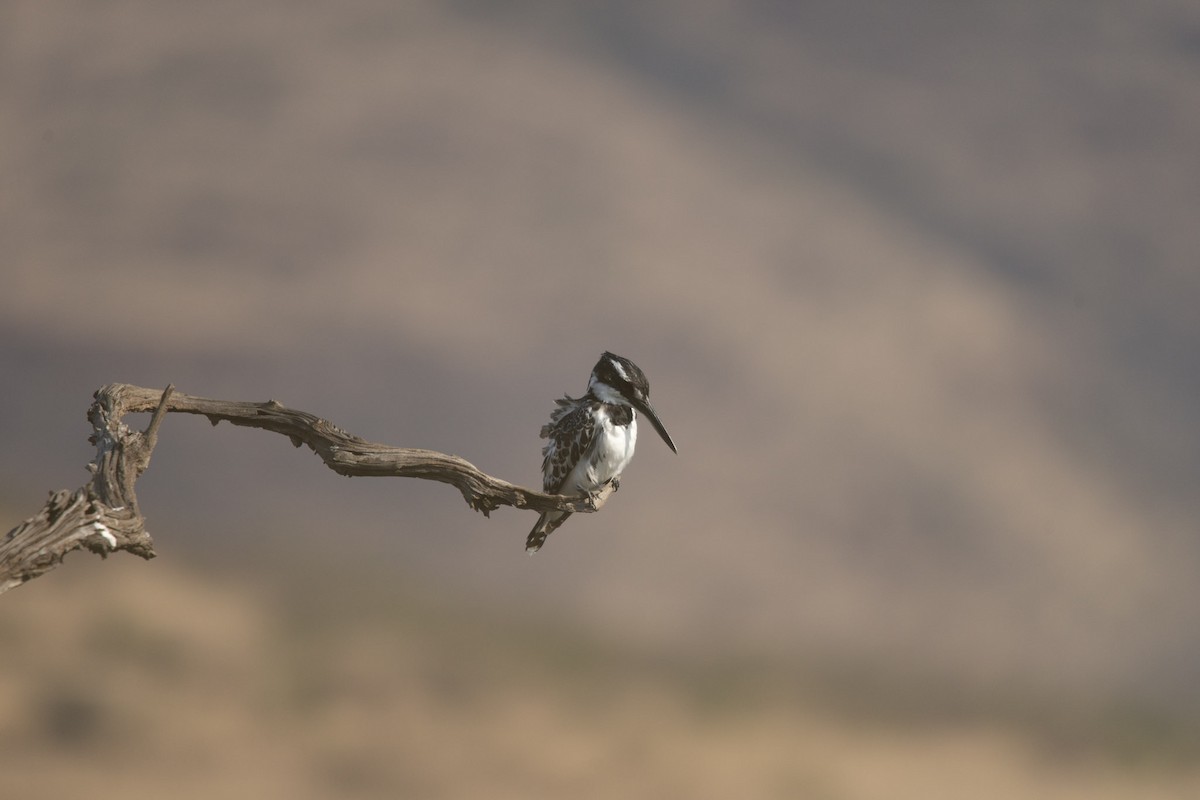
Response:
column 591, row 438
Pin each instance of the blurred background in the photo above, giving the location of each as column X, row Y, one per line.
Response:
column 915, row 286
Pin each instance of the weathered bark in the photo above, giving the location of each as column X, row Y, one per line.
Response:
column 103, row 516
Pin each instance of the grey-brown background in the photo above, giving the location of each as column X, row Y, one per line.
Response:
column 915, row 286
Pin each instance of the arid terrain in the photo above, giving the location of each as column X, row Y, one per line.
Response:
column 140, row 681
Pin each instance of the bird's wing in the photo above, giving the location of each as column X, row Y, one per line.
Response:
column 570, row 433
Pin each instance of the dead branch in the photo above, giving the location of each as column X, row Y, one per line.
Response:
column 103, row 515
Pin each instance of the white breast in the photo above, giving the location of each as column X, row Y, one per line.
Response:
column 613, row 451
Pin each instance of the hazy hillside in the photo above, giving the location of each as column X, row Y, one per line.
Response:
column 915, row 288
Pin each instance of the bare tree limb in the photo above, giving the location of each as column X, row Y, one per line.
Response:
column 103, row 516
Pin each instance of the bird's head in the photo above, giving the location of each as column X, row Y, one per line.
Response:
column 618, row 380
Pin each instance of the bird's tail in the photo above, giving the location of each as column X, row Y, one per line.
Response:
column 547, row 523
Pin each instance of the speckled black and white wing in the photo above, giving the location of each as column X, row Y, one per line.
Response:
column 570, row 434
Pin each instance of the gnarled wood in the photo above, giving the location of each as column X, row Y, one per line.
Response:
column 103, row 516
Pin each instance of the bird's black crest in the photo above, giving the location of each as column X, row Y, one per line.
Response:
column 621, row 373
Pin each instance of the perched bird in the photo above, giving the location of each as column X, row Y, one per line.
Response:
column 592, row 437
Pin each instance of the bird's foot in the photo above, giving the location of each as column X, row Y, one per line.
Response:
column 596, row 497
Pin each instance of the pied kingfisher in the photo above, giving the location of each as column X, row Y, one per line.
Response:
column 592, row 437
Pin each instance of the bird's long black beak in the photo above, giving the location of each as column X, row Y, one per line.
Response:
column 647, row 409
